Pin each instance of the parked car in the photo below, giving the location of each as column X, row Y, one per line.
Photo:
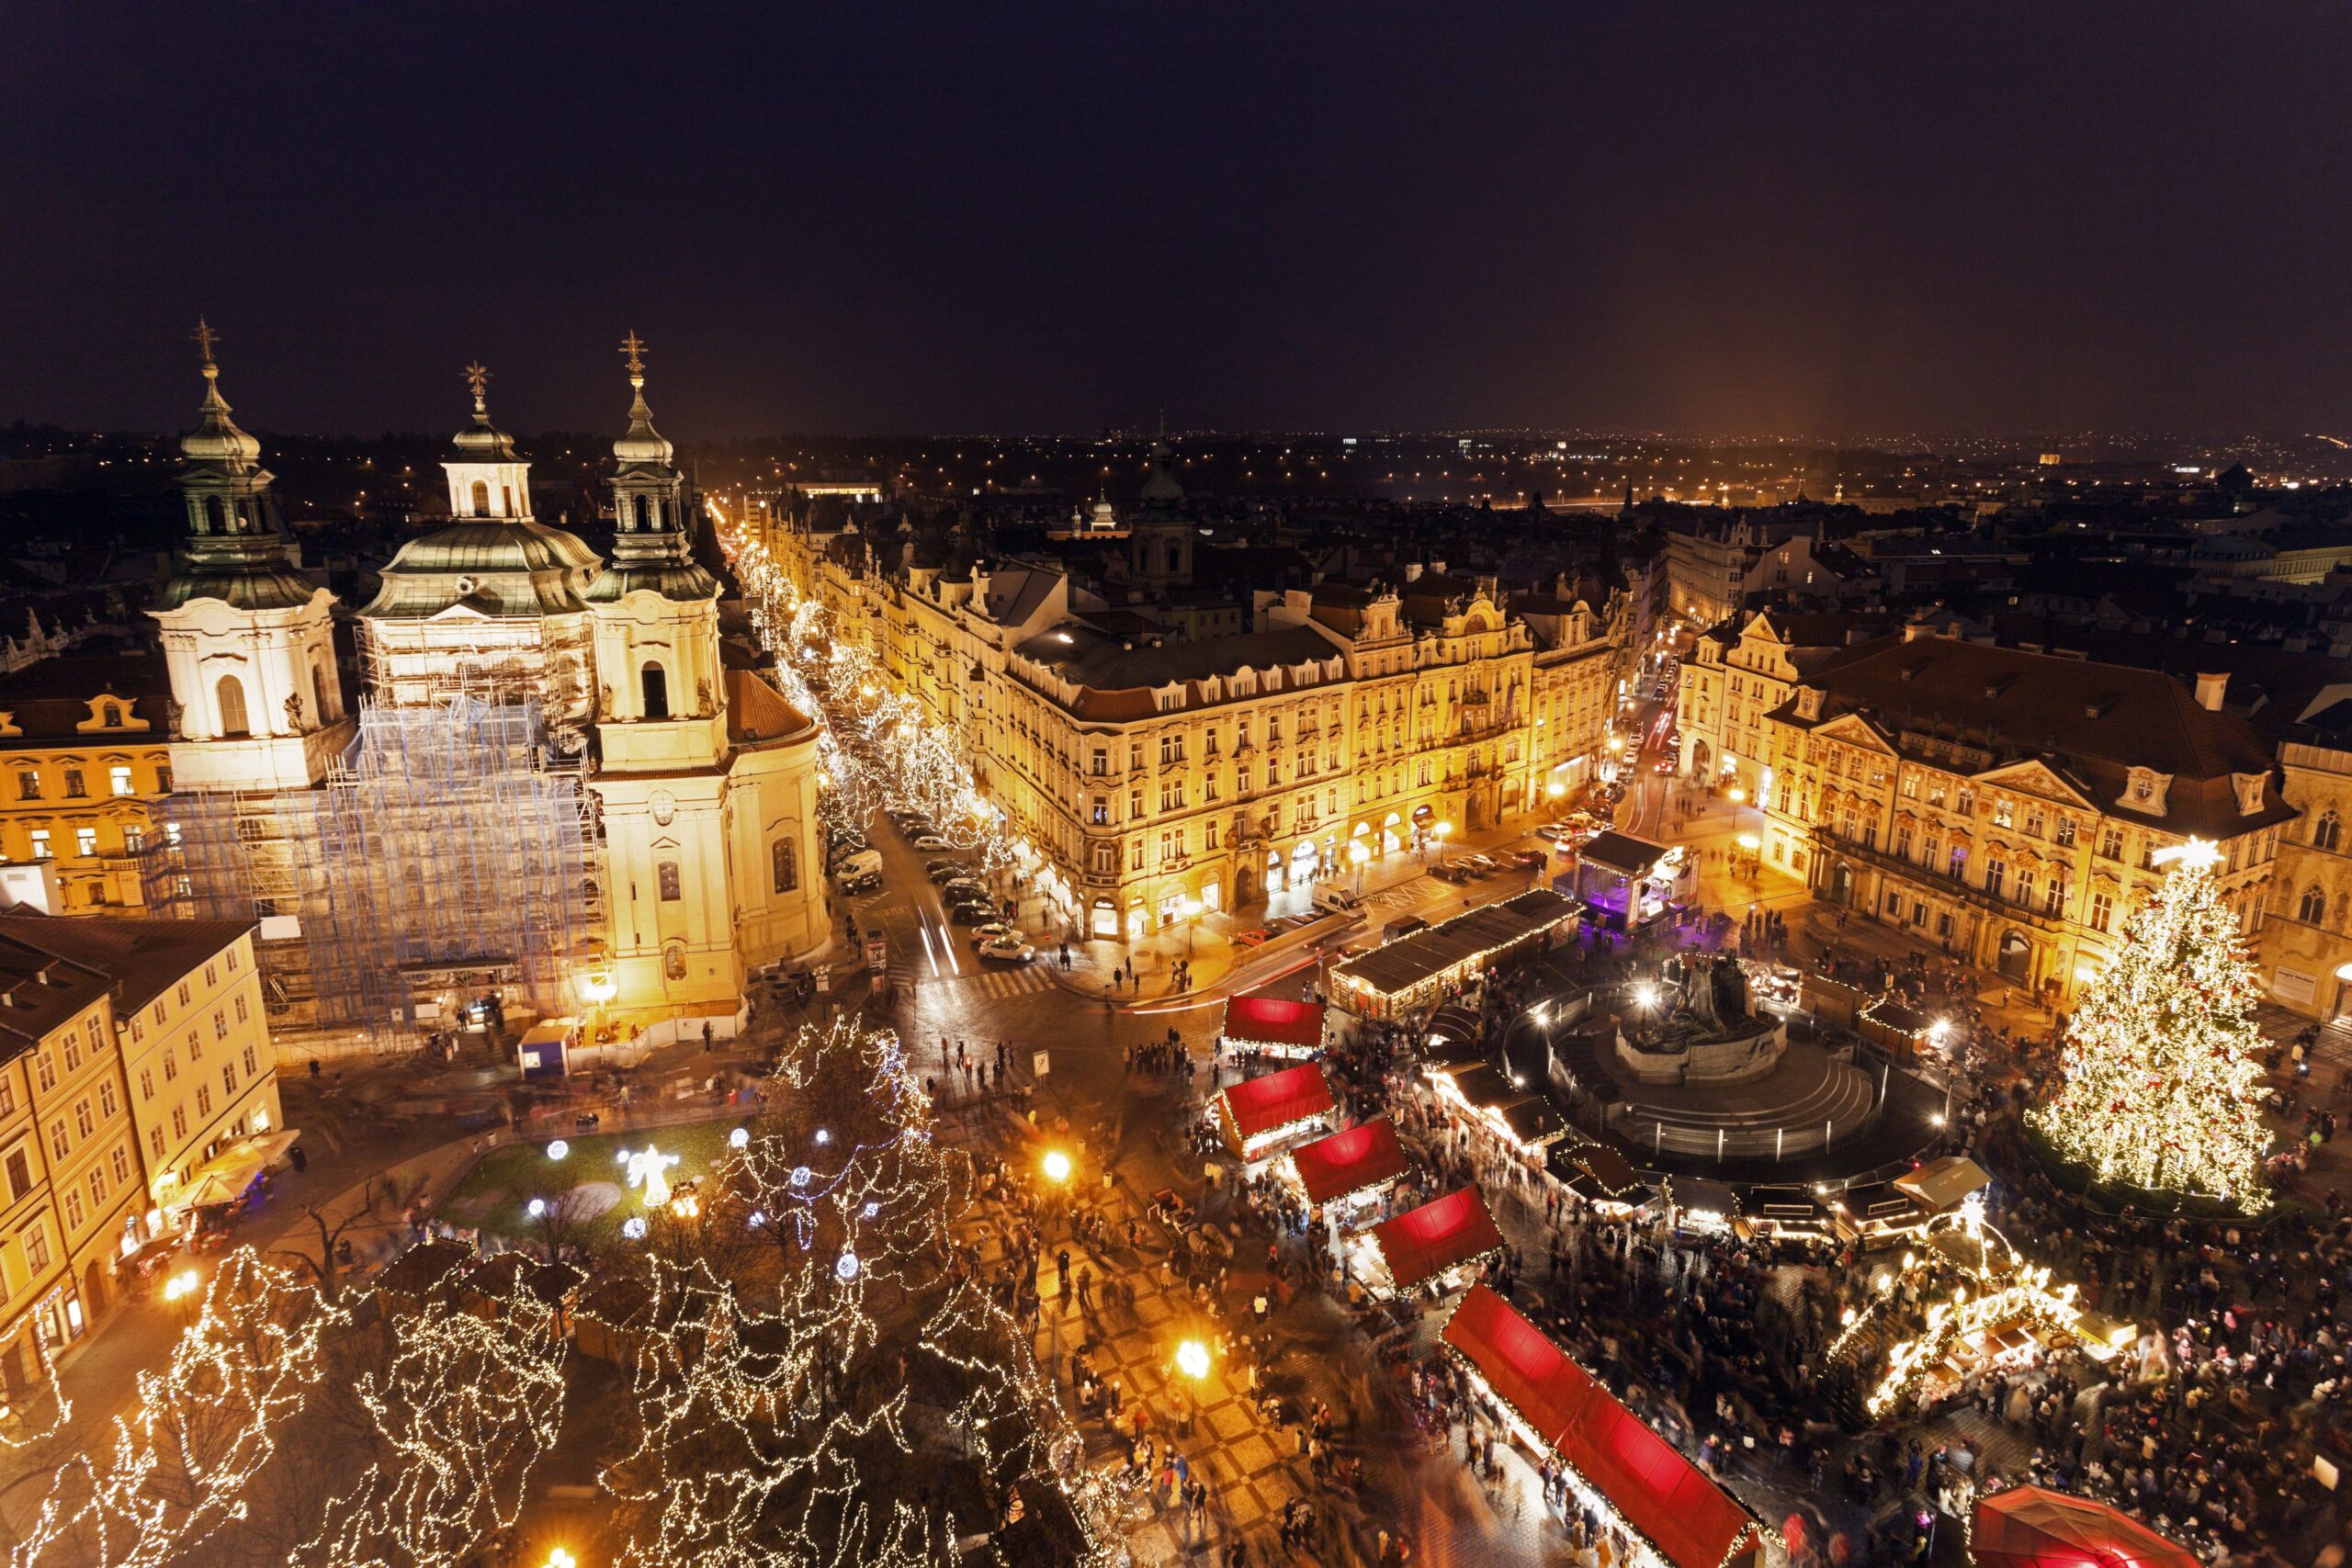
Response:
column 864, row 886
column 1332, row 900
column 990, row 931
column 1476, row 864
column 1526, row 860
column 973, row 914
column 945, row 870
column 1556, row 831
column 961, row 889
column 1007, row 950
column 930, row 841
column 1253, row 937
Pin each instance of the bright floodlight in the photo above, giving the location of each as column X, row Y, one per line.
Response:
column 557, row 1149
column 1645, row 995
column 738, row 1137
column 1057, row 1166
column 536, row 1207
column 1192, row 1359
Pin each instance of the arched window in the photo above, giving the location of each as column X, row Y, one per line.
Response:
column 654, row 682
column 786, row 863
column 2327, row 831
column 1175, row 558
column 215, row 519
column 481, row 498
column 114, row 716
column 230, row 692
column 665, row 876
column 644, row 513
column 2313, row 911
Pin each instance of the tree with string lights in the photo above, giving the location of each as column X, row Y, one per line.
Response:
column 2161, row 1075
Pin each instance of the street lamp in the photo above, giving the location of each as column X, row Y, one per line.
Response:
column 1357, row 857
column 1191, row 911
column 1193, row 1360
column 1443, row 830
column 1057, row 1166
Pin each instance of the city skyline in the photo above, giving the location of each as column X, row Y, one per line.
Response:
column 1574, row 220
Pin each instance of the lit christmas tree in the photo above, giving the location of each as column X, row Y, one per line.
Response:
column 2160, row 1061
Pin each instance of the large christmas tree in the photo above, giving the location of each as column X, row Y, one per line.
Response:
column 2160, row 1090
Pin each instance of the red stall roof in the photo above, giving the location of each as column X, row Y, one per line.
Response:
column 1423, row 1242
column 1261, row 1105
column 1526, row 1371
column 1350, row 1161
column 2031, row 1527
column 1271, row 1021
column 1692, row 1522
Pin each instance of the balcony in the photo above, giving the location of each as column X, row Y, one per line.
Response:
column 1827, row 842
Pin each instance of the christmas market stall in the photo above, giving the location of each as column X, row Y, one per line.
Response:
column 1696, row 1206
column 1901, row 1031
column 1787, row 1215
column 1430, row 1242
column 1348, row 1169
column 1604, row 1178
column 1258, row 1114
column 1625, row 883
column 1500, row 1106
column 1875, row 1213
column 1417, row 971
column 1670, row 1512
column 2031, row 1527
column 1273, row 1026
column 1941, row 1184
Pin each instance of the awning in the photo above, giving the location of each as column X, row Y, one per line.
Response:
column 1258, row 1106
column 1597, row 1172
column 1420, row 1243
column 1346, row 1163
column 1484, row 1085
column 224, row 1178
column 1696, row 1194
column 1623, row 853
column 2030, row 1527
column 1271, row 1020
column 1942, row 1183
column 1690, row 1521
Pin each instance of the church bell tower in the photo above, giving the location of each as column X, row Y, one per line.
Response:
column 247, row 639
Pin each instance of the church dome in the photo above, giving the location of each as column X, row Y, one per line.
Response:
column 499, row 567
column 483, row 442
column 642, row 443
column 216, row 438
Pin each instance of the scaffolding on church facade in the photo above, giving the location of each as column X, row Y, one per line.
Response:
column 452, row 852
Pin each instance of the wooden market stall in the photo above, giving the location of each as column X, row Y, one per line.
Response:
column 1444, row 1234
column 1351, row 1167
column 1256, row 1114
column 1415, row 971
column 1273, row 1025
column 1676, row 1515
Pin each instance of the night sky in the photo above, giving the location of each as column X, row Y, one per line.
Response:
column 1804, row 220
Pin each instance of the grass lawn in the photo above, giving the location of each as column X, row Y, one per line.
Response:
column 493, row 1193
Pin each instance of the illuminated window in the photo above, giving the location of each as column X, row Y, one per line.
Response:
column 666, row 878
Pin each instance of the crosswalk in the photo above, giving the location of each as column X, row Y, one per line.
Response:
column 1003, row 983
column 973, row 981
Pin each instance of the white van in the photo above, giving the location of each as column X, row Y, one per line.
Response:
column 862, row 863
column 1335, row 901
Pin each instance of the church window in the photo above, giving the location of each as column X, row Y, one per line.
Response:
column 655, row 682
column 2326, row 832
column 481, row 498
column 215, row 520
column 785, row 860
column 644, row 513
column 1175, row 558
column 2313, row 911
column 231, row 693
column 665, row 876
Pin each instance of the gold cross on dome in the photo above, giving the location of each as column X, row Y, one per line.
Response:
column 477, row 378
column 204, row 338
column 634, row 348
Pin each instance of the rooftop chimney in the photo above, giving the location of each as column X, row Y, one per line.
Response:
column 2210, row 689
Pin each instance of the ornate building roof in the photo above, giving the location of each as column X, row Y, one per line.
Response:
column 508, row 565
column 652, row 510
column 233, row 548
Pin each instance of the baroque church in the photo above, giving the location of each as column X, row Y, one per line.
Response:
column 561, row 787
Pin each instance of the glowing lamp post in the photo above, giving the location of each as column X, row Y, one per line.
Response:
column 1057, row 1166
column 598, row 988
column 1445, row 830
column 1193, row 1360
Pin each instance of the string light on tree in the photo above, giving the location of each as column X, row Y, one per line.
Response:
column 2160, row 1085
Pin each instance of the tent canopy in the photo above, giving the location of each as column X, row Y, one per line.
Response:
column 1349, row 1162
column 1420, row 1243
column 2031, row 1527
column 1941, row 1183
column 1271, row 1020
column 1692, row 1522
column 1258, row 1106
